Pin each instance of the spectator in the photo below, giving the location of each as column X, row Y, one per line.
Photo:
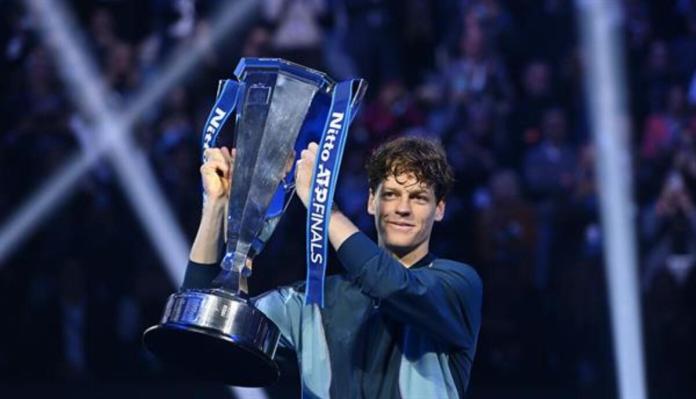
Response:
column 297, row 32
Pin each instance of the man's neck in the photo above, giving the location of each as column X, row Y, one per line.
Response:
column 408, row 258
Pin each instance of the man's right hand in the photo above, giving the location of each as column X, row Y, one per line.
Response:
column 216, row 173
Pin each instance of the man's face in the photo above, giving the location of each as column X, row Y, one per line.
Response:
column 404, row 211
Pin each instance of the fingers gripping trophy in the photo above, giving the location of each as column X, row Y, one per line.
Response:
column 276, row 108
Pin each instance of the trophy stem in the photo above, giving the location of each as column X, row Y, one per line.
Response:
column 228, row 280
column 233, row 268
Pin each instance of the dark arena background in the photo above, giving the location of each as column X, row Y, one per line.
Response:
column 571, row 127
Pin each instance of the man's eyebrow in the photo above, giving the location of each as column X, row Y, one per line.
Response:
column 419, row 191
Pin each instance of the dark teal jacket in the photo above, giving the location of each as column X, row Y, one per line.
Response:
column 385, row 331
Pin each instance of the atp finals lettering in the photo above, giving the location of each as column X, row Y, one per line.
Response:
column 321, row 189
column 213, row 126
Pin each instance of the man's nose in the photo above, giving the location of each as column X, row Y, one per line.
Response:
column 403, row 207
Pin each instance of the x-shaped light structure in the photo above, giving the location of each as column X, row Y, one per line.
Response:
column 112, row 128
column 112, row 125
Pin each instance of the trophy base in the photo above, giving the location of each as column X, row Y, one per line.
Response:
column 215, row 336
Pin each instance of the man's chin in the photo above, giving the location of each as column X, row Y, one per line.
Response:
column 399, row 248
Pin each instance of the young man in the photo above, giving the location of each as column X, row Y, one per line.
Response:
column 398, row 322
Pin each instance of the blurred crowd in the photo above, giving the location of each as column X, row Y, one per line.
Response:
column 499, row 83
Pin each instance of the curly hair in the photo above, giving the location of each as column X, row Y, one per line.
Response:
column 424, row 158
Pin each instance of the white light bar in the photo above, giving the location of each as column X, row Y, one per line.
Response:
column 604, row 83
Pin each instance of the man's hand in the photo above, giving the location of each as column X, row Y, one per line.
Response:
column 303, row 172
column 216, row 173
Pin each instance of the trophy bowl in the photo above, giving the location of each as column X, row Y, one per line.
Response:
column 236, row 340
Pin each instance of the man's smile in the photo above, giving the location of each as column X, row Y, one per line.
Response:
column 400, row 225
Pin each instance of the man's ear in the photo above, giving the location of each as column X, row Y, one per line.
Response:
column 440, row 210
column 371, row 206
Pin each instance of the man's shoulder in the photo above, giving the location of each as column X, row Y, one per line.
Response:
column 449, row 264
column 337, row 289
column 330, row 282
column 460, row 269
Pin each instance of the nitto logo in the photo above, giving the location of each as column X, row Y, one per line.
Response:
column 213, row 126
column 330, row 136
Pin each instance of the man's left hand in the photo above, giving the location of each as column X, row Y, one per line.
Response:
column 303, row 172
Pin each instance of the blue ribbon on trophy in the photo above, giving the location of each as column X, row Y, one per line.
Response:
column 324, row 179
column 224, row 106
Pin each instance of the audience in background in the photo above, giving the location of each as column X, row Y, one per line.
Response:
column 500, row 83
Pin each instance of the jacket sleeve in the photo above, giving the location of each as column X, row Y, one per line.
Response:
column 443, row 301
column 199, row 275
